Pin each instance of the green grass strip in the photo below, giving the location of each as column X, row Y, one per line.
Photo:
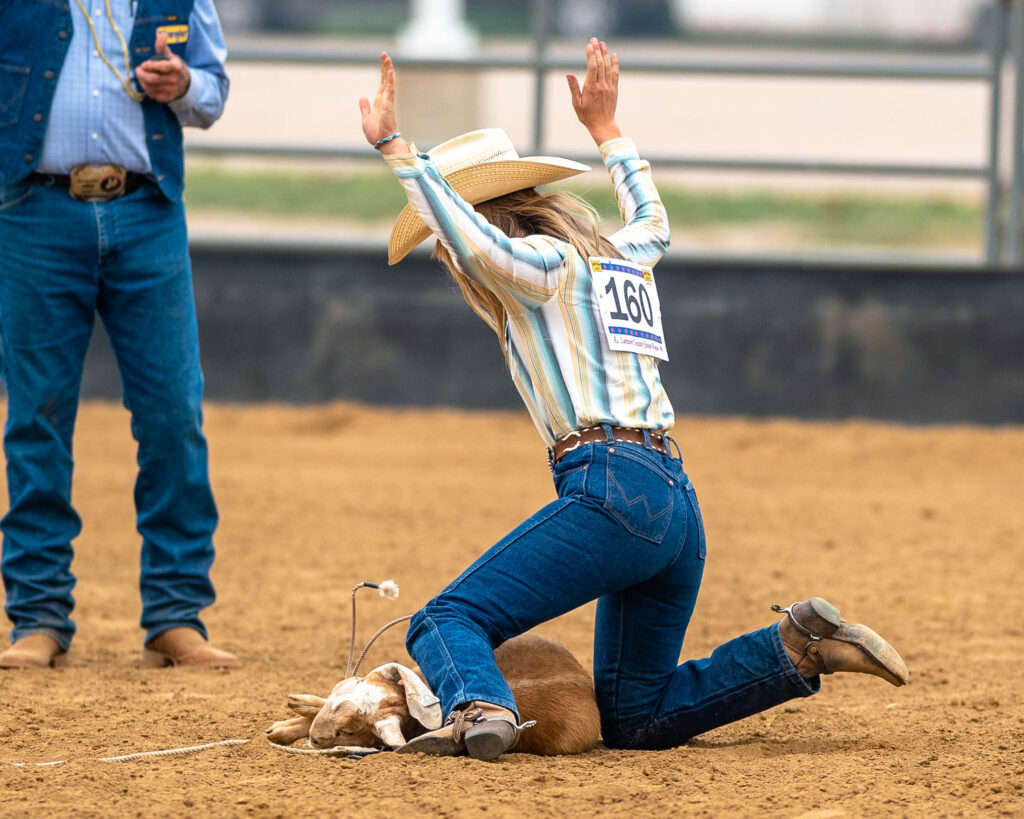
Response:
column 831, row 218
column 366, row 197
column 374, row 197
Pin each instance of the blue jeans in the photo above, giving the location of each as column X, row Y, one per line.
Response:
column 61, row 263
column 626, row 529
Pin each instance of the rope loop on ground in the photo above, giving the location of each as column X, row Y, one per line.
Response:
column 337, row 750
column 192, row 749
column 172, row 751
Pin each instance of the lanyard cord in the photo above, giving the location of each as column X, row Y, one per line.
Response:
column 131, row 92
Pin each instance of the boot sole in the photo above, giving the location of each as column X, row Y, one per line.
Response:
column 159, row 659
column 59, row 660
column 431, row 746
column 155, row 659
column 486, row 747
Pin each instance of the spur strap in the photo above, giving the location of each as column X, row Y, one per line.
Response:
column 458, row 721
column 811, row 651
column 796, row 623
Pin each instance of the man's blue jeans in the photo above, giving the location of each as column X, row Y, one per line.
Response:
column 626, row 529
column 61, row 263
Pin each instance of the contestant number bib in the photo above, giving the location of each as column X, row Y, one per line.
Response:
column 630, row 310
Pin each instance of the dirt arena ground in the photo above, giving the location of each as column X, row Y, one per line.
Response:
column 916, row 531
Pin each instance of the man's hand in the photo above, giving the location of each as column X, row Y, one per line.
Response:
column 166, row 78
column 379, row 120
column 595, row 102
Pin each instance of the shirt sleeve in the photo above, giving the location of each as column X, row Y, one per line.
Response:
column 524, row 269
column 203, row 103
column 645, row 236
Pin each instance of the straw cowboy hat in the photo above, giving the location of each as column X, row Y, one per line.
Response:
column 480, row 165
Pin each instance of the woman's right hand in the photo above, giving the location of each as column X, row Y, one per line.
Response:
column 379, row 120
column 595, row 102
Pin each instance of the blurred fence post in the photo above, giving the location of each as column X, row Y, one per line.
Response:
column 438, row 103
column 1014, row 225
column 437, row 29
column 541, row 23
column 997, row 47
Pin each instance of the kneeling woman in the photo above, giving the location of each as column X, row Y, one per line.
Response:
column 577, row 317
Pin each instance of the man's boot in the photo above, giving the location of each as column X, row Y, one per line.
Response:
column 818, row 641
column 186, row 647
column 34, row 650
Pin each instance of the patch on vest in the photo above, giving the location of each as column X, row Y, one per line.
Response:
column 175, row 34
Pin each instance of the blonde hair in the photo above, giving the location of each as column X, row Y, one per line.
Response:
column 529, row 213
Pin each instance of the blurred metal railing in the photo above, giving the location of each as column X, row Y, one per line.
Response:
column 1003, row 243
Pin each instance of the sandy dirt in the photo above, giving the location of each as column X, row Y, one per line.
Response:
column 916, row 531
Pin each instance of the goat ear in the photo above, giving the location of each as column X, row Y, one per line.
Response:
column 389, row 730
column 286, row 731
column 423, row 706
column 305, row 705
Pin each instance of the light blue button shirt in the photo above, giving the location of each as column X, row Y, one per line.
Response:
column 93, row 120
column 557, row 353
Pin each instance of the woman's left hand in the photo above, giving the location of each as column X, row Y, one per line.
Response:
column 379, row 120
column 595, row 102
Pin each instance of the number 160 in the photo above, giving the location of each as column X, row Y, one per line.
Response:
column 638, row 302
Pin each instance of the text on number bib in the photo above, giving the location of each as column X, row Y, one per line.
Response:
column 630, row 310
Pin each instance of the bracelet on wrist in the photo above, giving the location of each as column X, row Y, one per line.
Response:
column 380, row 142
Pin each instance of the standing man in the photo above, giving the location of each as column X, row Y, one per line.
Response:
column 93, row 96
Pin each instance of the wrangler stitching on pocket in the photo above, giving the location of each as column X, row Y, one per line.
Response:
column 702, row 541
column 662, row 517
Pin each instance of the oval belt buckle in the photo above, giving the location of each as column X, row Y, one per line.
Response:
column 97, row 183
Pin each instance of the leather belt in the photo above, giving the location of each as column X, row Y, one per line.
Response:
column 567, row 443
column 132, row 182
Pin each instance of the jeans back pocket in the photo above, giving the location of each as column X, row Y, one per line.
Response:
column 702, row 540
column 640, row 497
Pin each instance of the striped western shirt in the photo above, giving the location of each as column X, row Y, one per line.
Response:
column 562, row 365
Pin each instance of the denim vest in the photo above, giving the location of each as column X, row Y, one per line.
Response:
column 34, row 39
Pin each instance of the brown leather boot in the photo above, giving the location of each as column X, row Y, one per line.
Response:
column 818, row 641
column 494, row 731
column 186, row 647
column 480, row 729
column 448, row 740
column 34, row 651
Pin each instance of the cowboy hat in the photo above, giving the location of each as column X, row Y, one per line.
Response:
column 480, row 165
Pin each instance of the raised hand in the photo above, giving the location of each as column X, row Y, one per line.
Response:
column 379, row 120
column 166, row 77
column 595, row 102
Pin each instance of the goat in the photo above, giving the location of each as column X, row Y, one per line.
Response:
column 393, row 704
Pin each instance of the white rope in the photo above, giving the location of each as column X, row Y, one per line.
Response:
column 37, row 764
column 129, row 757
column 337, row 750
column 172, row 751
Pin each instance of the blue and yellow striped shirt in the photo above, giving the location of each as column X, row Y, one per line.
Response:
column 565, row 371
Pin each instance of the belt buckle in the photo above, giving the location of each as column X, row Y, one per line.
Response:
column 97, row 183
